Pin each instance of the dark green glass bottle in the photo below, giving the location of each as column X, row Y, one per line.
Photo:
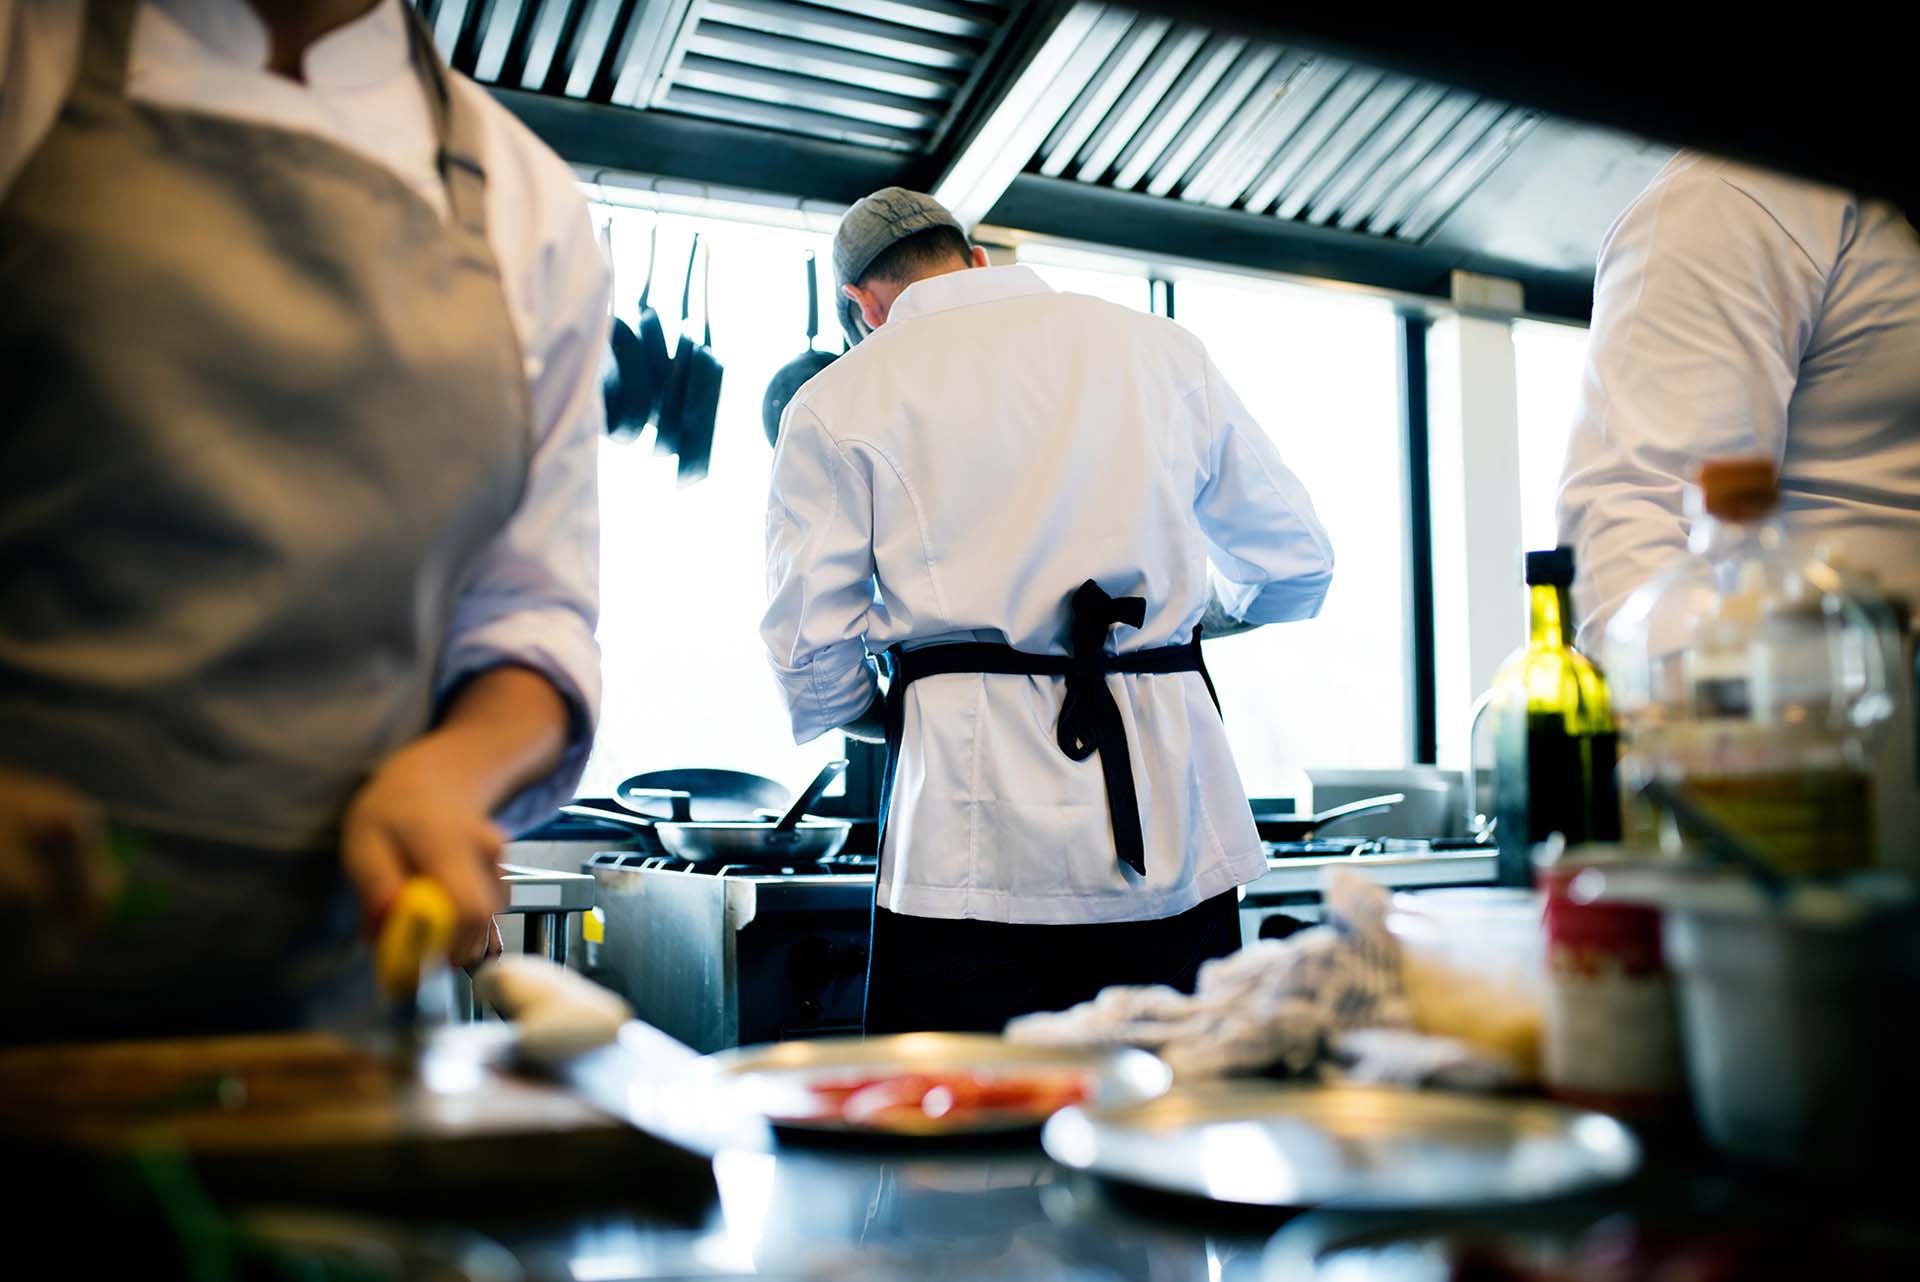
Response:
column 1556, row 751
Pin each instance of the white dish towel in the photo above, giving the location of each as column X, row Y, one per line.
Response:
column 1330, row 997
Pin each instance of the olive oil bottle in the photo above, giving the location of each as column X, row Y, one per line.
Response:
column 1556, row 753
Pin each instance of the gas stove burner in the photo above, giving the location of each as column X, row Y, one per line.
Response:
column 839, row 866
column 1317, row 846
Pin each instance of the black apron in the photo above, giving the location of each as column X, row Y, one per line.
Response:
column 1089, row 720
column 932, row 974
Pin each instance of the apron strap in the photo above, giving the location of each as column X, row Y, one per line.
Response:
column 456, row 130
column 107, row 36
column 1089, row 720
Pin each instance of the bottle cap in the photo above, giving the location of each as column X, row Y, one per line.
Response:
column 1553, row 567
column 1739, row 489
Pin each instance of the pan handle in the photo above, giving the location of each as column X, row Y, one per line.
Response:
column 653, row 250
column 681, row 803
column 1354, row 809
column 608, row 816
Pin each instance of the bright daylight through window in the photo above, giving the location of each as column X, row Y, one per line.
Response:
column 1548, row 362
column 682, row 570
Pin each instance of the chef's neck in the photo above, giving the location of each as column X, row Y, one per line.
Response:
column 293, row 26
column 876, row 298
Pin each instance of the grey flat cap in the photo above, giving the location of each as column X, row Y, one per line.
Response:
column 868, row 229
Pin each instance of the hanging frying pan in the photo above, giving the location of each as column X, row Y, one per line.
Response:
column 632, row 380
column 643, row 400
column 692, row 400
column 790, row 377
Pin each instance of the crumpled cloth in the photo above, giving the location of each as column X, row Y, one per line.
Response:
column 1317, row 999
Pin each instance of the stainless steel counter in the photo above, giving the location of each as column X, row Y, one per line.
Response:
column 934, row 1213
column 1300, row 875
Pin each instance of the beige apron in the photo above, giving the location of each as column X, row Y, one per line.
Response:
column 263, row 408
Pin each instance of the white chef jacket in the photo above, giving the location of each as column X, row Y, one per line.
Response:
column 534, row 596
column 955, row 477
column 1737, row 311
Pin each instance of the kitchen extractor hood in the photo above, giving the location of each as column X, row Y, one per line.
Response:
column 1085, row 121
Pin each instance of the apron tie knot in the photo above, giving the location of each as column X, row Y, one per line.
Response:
column 1089, row 716
column 1090, row 719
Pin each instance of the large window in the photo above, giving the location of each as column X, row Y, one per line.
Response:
column 1317, row 369
column 686, row 680
column 683, row 568
column 1548, row 364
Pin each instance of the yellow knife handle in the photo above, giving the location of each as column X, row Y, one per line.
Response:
column 416, row 933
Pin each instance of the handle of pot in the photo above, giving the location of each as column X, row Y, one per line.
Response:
column 686, row 286
column 681, row 802
column 813, row 301
column 653, row 246
column 706, row 299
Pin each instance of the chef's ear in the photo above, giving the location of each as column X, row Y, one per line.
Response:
column 980, row 256
column 868, row 301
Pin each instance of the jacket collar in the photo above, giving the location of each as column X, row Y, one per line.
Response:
column 964, row 289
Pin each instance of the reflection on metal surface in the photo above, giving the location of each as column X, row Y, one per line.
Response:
column 1242, row 1164
column 746, row 1183
column 1264, row 1145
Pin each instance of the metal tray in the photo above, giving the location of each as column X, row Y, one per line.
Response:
column 772, row 1081
column 1363, row 1148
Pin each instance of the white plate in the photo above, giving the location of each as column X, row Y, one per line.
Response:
column 774, row 1081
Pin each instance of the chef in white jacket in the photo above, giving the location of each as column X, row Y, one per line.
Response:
column 1024, row 502
column 1738, row 311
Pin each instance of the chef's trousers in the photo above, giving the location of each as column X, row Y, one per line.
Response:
column 955, row 975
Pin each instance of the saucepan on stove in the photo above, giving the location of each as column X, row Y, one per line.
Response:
column 689, row 832
column 1274, row 826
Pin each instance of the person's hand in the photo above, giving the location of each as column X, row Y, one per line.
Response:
column 421, row 814
column 57, row 878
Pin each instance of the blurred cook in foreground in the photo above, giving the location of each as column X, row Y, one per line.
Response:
column 297, row 503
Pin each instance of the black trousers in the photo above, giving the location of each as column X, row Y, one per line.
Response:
column 947, row 975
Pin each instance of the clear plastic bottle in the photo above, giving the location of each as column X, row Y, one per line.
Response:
column 1750, row 679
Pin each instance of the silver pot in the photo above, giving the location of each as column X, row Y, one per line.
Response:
column 774, row 841
column 750, row 842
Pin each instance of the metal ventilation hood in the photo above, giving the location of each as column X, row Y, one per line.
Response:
column 1085, row 121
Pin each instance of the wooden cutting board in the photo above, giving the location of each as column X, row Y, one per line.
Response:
column 312, row 1115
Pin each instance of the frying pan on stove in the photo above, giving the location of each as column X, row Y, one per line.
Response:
column 765, row 837
column 1291, row 827
column 683, row 796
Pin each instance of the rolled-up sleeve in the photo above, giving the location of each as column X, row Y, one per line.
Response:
column 534, row 598
column 819, row 577
column 1703, row 304
column 1272, row 556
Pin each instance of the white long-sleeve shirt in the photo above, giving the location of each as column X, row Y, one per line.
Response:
column 955, row 477
column 1737, row 311
column 534, row 596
